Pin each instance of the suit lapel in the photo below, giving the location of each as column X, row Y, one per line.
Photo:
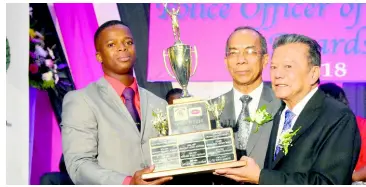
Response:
column 114, row 100
column 273, row 137
column 228, row 114
column 143, row 107
column 265, row 99
column 305, row 120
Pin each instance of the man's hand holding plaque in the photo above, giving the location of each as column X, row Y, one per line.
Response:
column 248, row 173
column 137, row 178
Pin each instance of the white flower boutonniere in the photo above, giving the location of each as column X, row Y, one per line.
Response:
column 286, row 139
column 260, row 117
column 160, row 122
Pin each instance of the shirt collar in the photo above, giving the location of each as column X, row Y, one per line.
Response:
column 256, row 93
column 301, row 105
column 119, row 87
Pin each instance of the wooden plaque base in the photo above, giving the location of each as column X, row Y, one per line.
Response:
column 193, row 169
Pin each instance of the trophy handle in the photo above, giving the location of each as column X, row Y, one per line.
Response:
column 196, row 57
column 166, row 67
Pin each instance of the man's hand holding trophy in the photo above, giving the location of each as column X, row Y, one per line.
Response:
column 190, row 146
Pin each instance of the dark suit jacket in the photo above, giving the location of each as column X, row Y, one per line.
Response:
column 325, row 150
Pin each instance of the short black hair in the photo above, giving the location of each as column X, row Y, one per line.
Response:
column 173, row 92
column 333, row 90
column 314, row 47
column 104, row 26
column 261, row 38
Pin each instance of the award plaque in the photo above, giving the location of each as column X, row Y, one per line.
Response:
column 187, row 143
column 202, row 151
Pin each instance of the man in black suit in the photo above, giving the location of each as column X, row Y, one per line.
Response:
column 57, row 178
column 314, row 139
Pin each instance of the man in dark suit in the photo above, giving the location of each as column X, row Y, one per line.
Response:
column 246, row 57
column 57, row 178
column 315, row 139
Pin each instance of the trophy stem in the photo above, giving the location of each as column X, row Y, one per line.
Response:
column 185, row 93
column 218, row 124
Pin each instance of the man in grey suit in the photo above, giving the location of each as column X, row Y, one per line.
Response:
column 246, row 57
column 106, row 126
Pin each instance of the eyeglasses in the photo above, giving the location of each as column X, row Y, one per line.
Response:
column 248, row 53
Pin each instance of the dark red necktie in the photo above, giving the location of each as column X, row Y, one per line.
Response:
column 129, row 96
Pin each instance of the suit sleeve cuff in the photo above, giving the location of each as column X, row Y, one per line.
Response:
column 127, row 180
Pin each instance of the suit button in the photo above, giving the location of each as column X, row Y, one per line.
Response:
column 143, row 141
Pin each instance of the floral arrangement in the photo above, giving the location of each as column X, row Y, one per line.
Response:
column 260, row 117
column 44, row 64
column 160, row 122
column 286, row 139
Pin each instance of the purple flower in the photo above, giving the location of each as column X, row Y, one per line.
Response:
column 61, row 66
column 40, row 51
column 32, row 55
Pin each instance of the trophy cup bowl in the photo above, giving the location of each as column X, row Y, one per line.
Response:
column 180, row 58
column 216, row 108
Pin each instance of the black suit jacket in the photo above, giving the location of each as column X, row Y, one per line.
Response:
column 325, row 150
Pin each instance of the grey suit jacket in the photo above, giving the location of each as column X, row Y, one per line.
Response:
column 258, row 142
column 100, row 140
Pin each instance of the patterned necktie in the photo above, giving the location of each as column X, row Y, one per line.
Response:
column 129, row 96
column 244, row 126
column 287, row 125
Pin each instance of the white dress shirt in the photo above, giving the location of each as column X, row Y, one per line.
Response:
column 296, row 110
column 253, row 104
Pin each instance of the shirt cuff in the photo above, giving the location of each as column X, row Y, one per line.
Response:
column 127, row 180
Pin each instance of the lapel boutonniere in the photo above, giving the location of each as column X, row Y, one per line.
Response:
column 160, row 122
column 286, row 139
column 260, row 117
